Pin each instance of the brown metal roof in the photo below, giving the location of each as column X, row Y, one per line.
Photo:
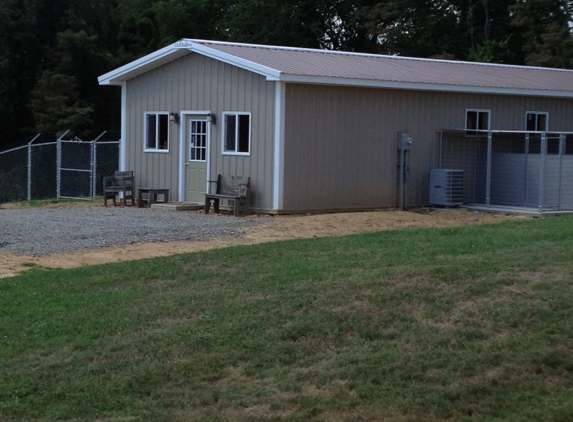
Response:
column 329, row 64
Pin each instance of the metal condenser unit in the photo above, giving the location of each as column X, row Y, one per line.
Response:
column 446, row 187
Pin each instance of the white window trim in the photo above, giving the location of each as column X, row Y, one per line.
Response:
column 546, row 113
column 224, row 131
column 478, row 110
column 156, row 150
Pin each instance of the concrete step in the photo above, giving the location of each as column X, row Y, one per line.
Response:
column 178, row 206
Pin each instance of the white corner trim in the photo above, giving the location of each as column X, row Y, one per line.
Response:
column 123, row 141
column 182, row 139
column 279, row 146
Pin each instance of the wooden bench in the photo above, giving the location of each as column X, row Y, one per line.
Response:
column 234, row 188
column 120, row 182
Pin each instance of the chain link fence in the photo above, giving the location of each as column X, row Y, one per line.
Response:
column 50, row 166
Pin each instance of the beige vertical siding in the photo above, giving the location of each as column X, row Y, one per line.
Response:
column 340, row 142
column 198, row 83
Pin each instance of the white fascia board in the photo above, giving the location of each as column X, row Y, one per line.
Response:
column 366, row 83
column 270, row 73
column 117, row 76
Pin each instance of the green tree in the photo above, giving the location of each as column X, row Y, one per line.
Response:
column 330, row 24
column 492, row 51
column 19, row 61
column 544, row 28
column 419, row 28
column 67, row 95
column 554, row 49
column 57, row 101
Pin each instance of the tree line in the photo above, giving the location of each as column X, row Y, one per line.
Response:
column 52, row 51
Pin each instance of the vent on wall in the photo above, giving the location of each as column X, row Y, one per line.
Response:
column 446, row 187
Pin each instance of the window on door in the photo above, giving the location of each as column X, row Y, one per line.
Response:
column 157, row 132
column 236, row 133
column 197, row 140
column 477, row 120
column 536, row 121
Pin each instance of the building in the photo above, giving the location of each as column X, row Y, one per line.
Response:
column 318, row 130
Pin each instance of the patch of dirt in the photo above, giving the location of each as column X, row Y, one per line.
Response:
column 273, row 228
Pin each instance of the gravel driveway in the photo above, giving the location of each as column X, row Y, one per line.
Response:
column 45, row 231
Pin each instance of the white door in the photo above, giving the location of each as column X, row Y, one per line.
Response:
column 196, row 160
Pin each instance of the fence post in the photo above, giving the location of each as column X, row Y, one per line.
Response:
column 542, row 169
column 488, row 169
column 526, row 200
column 93, row 170
column 94, row 165
column 58, row 167
column 561, row 154
column 29, row 184
column 59, row 164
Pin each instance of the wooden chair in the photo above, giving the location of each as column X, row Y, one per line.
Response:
column 234, row 188
column 120, row 182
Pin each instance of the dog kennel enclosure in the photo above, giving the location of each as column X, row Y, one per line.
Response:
column 530, row 171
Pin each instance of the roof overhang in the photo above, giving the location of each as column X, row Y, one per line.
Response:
column 175, row 51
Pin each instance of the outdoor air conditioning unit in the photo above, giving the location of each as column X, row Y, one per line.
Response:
column 446, row 187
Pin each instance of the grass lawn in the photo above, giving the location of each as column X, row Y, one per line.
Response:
column 458, row 324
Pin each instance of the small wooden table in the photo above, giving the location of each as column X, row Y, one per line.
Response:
column 151, row 197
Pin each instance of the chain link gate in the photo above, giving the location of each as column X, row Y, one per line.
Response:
column 77, row 164
column 75, row 167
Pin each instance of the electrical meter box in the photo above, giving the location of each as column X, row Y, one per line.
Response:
column 405, row 141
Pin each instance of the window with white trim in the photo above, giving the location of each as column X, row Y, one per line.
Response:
column 157, row 132
column 476, row 120
column 536, row 121
column 236, row 133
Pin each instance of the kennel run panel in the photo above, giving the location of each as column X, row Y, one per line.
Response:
column 462, row 152
column 533, row 170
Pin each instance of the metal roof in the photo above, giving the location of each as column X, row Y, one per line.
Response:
column 354, row 69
